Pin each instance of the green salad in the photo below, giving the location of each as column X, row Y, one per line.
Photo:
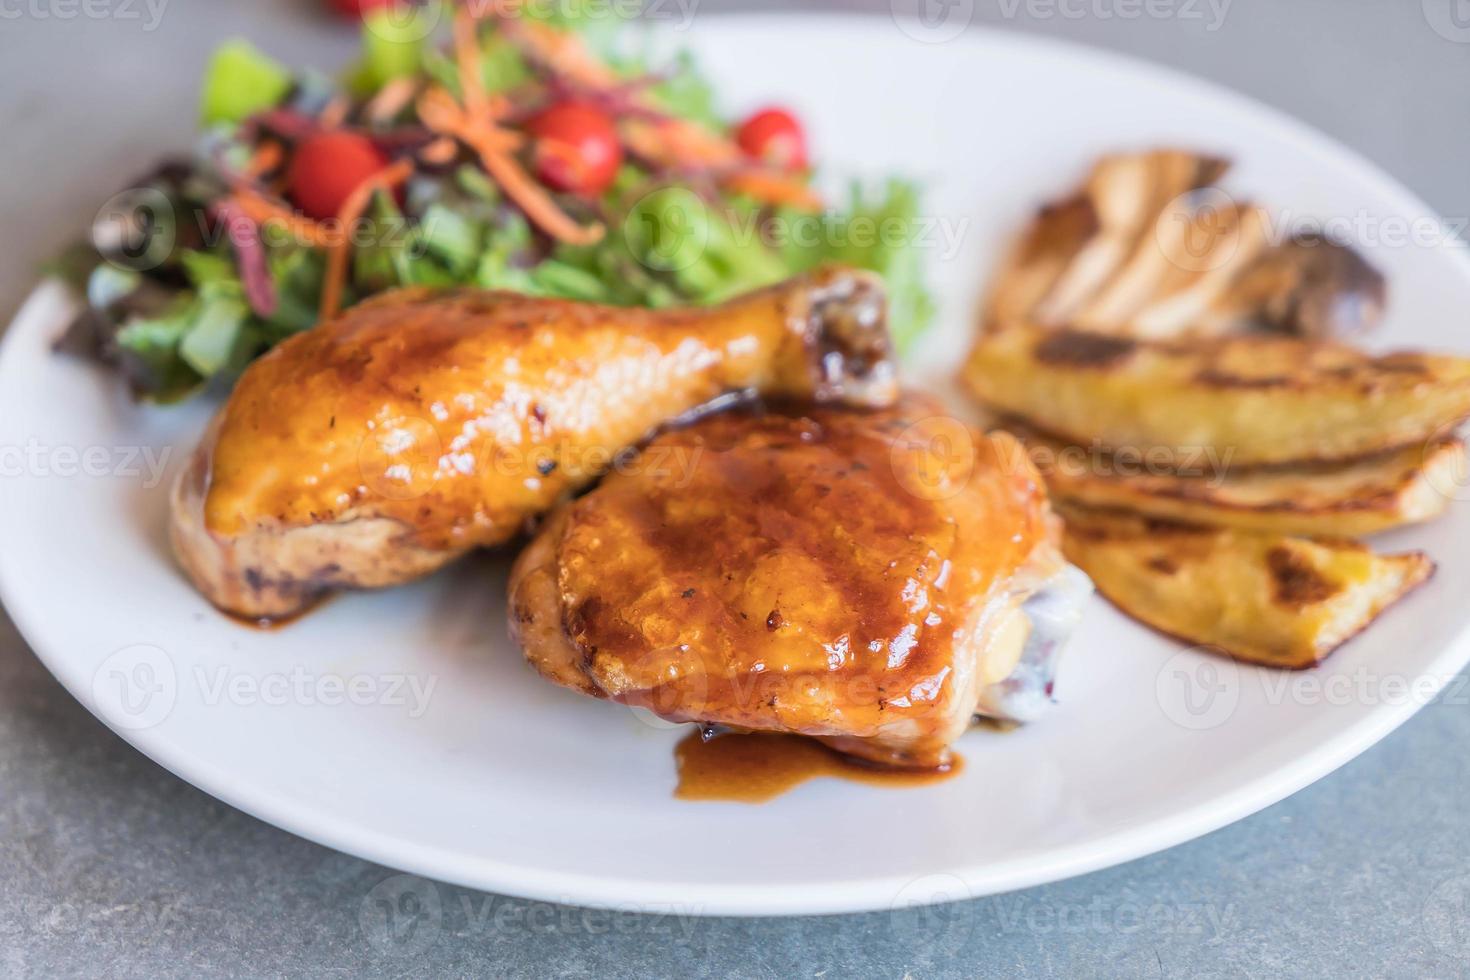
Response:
column 547, row 156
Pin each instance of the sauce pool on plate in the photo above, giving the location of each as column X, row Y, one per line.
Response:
column 760, row 766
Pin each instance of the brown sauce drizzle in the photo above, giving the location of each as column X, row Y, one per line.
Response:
column 267, row 624
column 760, row 766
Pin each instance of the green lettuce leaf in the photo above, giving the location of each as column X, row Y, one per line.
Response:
column 239, row 82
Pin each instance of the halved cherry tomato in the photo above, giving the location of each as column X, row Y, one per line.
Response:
column 360, row 8
column 577, row 147
column 773, row 136
column 327, row 166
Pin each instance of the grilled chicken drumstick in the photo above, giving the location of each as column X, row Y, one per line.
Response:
column 872, row 579
column 420, row 424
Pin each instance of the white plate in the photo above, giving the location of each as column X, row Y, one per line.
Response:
column 506, row 783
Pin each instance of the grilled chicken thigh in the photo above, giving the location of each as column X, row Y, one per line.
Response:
column 873, row 579
column 421, row 424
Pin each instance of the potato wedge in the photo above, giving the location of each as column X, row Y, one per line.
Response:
column 1261, row 598
column 1125, row 193
column 1406, row 486
column 1038, row 259
column 1182, row 284
column 1147, row 246
column 1253, row 400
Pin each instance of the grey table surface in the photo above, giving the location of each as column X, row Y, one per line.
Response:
column 108, row 864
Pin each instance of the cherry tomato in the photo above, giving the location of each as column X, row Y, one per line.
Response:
column 773, row 136
column 327, row 166
column 360, row 8
column 577, row 147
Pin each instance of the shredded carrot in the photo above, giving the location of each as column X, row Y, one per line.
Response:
column 439, row 112
column 336, row 241
column 559, row 50
column 339, row 249
column 672, row 142
column 266, row 158
column 333, row 282
column 478, row 102
column 695, row 143
column 467, row 59
column 531, row 197
column 474, row 125
column 499, row 106
column 264, row 211
column 441, row 151
column 678, row 144
column 391, row 99
column 334, row 113
column 774, row 188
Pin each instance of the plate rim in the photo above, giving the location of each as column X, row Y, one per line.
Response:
column 865, row 894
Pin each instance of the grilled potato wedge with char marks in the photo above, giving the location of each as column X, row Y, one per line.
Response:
column 1147, row 246
column 1406, row 486
column 1126, row 192
column 1261, row 598
column 1254, row 399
